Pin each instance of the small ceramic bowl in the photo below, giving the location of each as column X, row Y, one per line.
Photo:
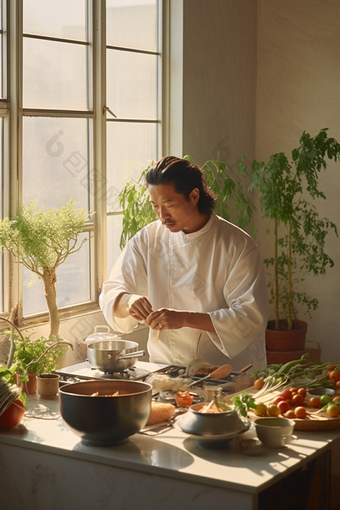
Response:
column 251, row 447
column 274, row 432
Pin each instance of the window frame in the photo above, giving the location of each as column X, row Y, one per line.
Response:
column 14, row 114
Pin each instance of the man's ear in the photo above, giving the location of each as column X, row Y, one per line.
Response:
column 194, row 196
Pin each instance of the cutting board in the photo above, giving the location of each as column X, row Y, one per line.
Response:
column 312, row 421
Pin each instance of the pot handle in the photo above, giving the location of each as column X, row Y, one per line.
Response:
column 128, row 355
column 103, row 328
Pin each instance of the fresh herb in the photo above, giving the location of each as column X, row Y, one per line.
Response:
column 243, row 403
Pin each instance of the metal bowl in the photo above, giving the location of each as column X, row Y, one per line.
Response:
column 105, row 420
column 211, row 424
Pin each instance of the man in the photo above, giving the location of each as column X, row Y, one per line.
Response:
column 188, row 272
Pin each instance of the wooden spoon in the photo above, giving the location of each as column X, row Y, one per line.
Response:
column 219, row 373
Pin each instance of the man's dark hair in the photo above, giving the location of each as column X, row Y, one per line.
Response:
column 185, row 176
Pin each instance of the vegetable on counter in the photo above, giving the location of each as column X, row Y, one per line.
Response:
column 297, row 373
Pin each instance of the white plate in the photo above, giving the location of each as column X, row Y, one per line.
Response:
column 214, row 441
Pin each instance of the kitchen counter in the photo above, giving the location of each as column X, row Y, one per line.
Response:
column 44, row 465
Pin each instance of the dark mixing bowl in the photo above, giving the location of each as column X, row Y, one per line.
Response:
column 105, row 420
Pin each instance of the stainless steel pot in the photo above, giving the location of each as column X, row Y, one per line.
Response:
column 113, row 355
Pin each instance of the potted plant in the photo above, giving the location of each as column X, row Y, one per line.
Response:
column 299, row 233
column 41, row 241
column 232, row 202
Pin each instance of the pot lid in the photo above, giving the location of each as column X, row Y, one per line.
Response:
column 101, row 332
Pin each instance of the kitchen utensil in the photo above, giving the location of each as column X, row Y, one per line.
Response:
column 219, row 373
column 105, row 420
column 244, row 369
column 113, row 356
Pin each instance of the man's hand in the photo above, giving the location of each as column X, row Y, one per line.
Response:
column 139, row 307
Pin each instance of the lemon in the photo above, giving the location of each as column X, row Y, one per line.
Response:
column 260, row 409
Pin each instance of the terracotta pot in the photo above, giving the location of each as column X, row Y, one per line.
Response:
column 48, row 385
column 284, row 340
column 282, row 357
column 29, row 386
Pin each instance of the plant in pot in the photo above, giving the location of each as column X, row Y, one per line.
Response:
column 232, row 201
column 41, row 241
column 299, row 233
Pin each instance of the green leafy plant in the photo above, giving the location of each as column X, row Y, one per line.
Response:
column 232, row 202
column 299, row 234
column 39, row 356
column 41, row 241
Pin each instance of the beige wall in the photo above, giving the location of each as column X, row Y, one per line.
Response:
column 298, row 88
column 219, row 78
column 256, row 74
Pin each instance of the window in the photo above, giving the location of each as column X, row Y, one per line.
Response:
column 68, row 78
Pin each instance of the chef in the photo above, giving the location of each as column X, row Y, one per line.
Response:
column 189, row 276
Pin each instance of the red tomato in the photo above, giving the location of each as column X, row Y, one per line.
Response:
column 334, row 376
column 13, row 414
column 286, row 394
column 302, row 391
column 298, row 399
column 315, row 402
column 283, row 406
column 300, row 412
column 277, row 400
column 183, row 398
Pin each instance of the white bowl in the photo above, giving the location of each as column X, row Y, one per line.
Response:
column 274, row 432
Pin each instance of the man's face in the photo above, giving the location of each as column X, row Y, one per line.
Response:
column 174, row 210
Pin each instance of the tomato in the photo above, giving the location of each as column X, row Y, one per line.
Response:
column 259, row 383
column 330, row 368
column 13, row 414
column 315, row 402
column 290, row 414
column 183, row 398
column 336, row 399
column 334, row 376
column 298, row 399
column 277, row 400
column 273, row 410
column 283, row 406
column 337, row 384
column 260, row 409
column 325, row 399
column 286, row 394
column 302, row 391
column 333, row 410
column 300, row 412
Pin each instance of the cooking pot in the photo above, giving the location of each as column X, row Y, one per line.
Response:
column 99, row 417
column 113, row 355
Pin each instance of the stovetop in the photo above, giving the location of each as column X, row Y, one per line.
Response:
column 84, row 371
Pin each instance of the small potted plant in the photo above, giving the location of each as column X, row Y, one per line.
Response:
column 299, row 233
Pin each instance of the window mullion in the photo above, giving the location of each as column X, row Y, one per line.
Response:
column 15, row 45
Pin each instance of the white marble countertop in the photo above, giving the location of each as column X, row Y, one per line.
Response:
column 172, row 453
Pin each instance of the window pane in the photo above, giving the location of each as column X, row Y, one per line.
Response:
column 56, row 161
column 132, row 84
column 64, row 18
column 73, row 283
column 114, row 229
column 132, row 23
column 54, row 75
column 2, row 281
column 3, row 60
column 130, row 148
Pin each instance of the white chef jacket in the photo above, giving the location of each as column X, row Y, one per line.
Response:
column 217, row 270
